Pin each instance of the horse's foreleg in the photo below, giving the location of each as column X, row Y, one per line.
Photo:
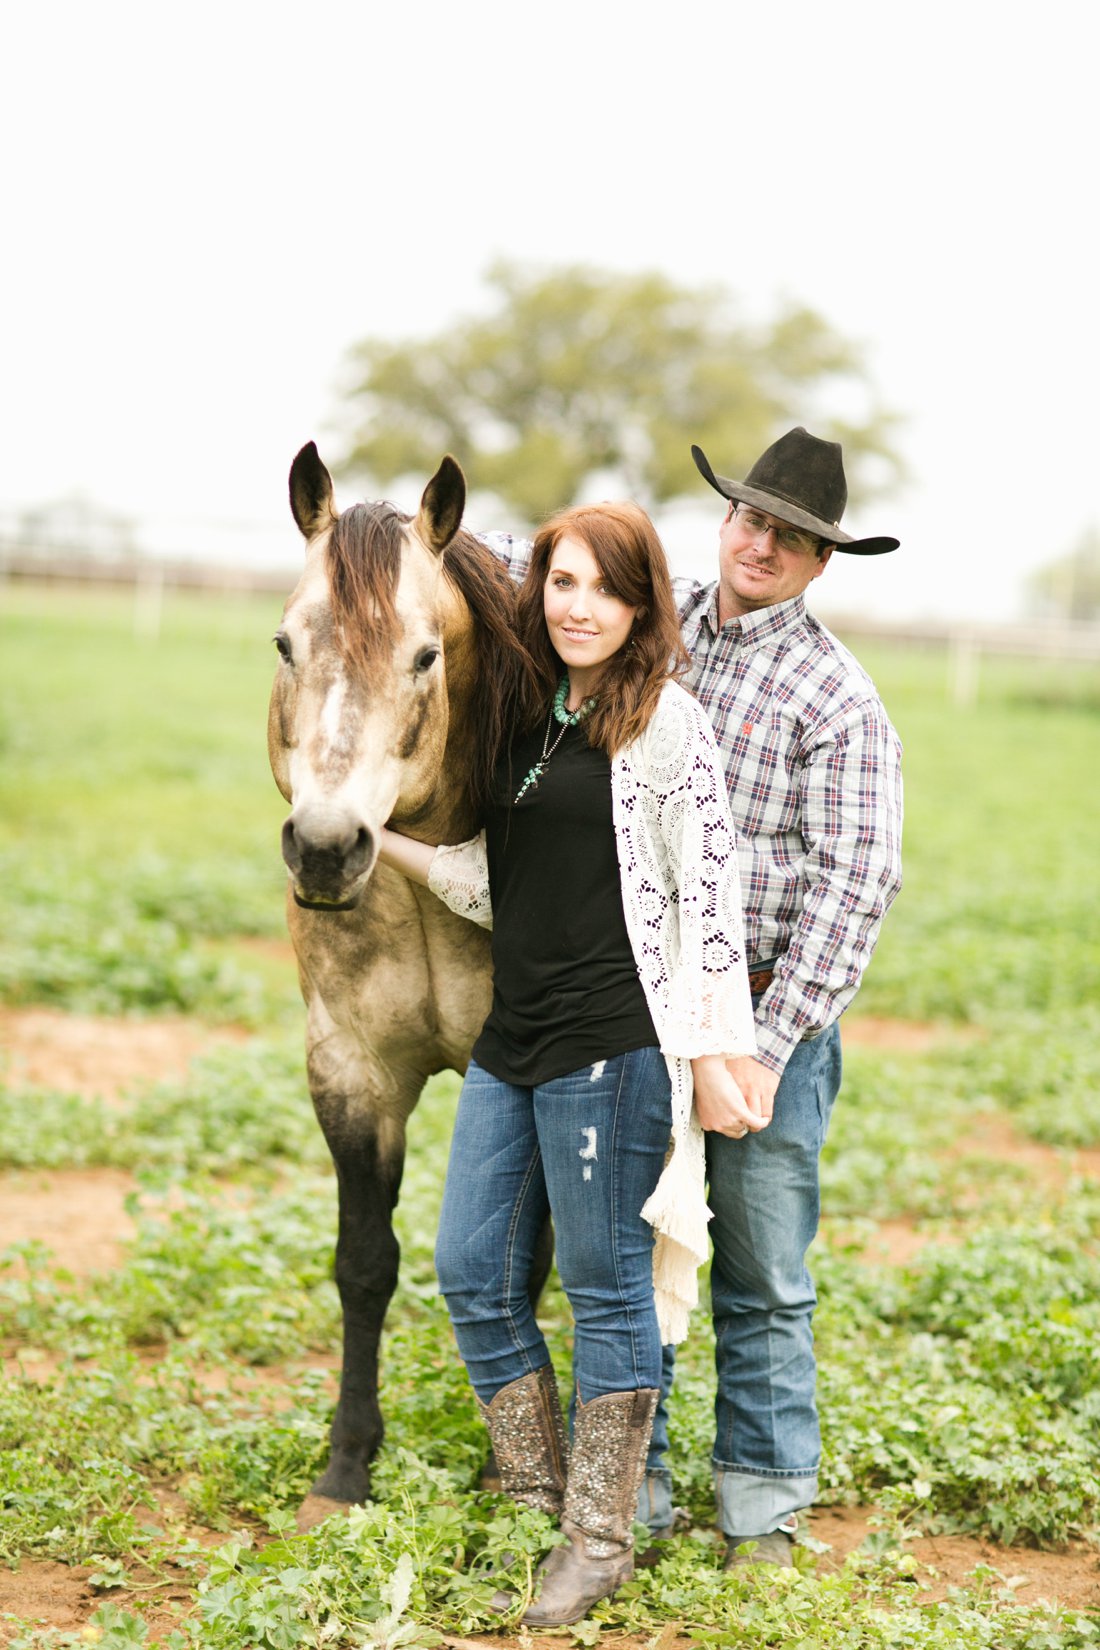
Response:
column 369, row 1154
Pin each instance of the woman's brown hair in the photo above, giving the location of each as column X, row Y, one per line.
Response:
column 630, row 556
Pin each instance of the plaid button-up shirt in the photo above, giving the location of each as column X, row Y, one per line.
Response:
column 813, row 767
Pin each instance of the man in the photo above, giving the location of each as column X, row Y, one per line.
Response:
column 813, row 767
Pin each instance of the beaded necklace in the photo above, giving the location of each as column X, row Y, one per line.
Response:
column 568, row 719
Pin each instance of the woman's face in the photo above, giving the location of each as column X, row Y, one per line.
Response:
column 586, row 622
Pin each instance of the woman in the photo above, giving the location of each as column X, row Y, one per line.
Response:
column 607, row 869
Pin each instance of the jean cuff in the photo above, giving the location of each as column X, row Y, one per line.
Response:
column 750, row 1504
column 655, row 1500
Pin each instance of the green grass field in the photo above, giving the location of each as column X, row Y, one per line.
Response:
column 960, row 1391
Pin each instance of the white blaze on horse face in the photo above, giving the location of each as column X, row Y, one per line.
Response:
column 331, row 723
column 362, row 748
column 344, row 763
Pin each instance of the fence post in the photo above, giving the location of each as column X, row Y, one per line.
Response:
column 963, row 659
column 148, row 601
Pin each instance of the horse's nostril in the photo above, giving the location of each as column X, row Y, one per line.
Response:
column 291, row 853
column 363, row 848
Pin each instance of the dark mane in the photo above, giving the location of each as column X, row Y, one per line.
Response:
column 504, row 663
column 364, row 559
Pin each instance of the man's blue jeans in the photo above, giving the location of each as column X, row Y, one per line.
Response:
column 589, row 1148
column 764, row 1192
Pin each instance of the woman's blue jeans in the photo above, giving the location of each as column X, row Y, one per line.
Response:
column 587, row 1148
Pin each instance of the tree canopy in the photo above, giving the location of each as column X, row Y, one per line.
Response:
column 576, row 370
column 1069, row 587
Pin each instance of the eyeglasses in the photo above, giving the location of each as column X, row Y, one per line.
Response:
column 787, row 538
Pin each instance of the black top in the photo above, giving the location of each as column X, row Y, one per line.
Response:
column 566, row 991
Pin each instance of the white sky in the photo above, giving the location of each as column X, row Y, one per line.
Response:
column 205, row 205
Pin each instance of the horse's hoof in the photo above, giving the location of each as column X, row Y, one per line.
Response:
column 315, row 1509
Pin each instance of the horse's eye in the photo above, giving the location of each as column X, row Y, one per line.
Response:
column 425, row 659
column 282, row 642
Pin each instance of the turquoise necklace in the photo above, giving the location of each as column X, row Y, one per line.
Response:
column 568, row 719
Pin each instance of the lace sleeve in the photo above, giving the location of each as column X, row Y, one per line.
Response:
column 459, row 876
column 697, row 924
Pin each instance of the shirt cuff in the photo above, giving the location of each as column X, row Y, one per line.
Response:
column 774, row 1047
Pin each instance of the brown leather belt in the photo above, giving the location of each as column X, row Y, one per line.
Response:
column 760, row 979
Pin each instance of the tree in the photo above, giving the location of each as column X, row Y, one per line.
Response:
column 577, row 370
column 1069, row 588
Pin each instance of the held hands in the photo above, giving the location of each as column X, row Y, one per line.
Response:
column 757, row 1083
column 723, row 1104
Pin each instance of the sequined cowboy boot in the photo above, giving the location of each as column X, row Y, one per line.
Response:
column 527, row 1430
column 610, row 1443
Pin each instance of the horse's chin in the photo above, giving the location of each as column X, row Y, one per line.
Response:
column 316, row 903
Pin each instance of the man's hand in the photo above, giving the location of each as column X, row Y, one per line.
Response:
column 757, row 1083
column 720, row 1104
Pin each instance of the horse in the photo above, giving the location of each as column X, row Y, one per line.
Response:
column 398, row 673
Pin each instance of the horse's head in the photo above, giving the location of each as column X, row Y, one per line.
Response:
column 358, row 721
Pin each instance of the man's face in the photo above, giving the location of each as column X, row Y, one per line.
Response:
column 755, row 569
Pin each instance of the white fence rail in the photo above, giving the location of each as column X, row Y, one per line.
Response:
column 150, row 577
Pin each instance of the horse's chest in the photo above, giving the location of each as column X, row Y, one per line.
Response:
column 399, row 974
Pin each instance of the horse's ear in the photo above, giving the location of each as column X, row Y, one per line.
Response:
column 311, row 493
column 440, row 513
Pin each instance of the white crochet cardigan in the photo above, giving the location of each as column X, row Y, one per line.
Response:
column 682, row 899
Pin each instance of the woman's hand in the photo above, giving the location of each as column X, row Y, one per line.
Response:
column 720, row 1105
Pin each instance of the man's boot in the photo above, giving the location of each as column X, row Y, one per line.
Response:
column 774, row 1547
column 610, row 1443
column 527, row 1429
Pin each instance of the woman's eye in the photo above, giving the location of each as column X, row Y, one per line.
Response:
column 282, row 642
column 425, row 659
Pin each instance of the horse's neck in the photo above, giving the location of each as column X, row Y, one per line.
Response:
column 464, row 672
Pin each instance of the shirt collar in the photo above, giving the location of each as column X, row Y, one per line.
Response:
column 767, row 624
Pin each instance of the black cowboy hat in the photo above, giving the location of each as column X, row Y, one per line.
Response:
column 800, row 479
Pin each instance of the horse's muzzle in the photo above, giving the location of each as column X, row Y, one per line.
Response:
column 327, row 860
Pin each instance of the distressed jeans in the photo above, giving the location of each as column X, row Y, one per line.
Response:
column 764, row 1192
column 589, row 1148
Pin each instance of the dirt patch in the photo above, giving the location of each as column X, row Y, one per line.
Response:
column 992, row 1136
column 260, row 945
column 905, row 1036
column 83, row 1054
column 79, row 1214
column 64, row 1596
column 54, row 1595
column 893, row 1242
column 1070, row 1578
